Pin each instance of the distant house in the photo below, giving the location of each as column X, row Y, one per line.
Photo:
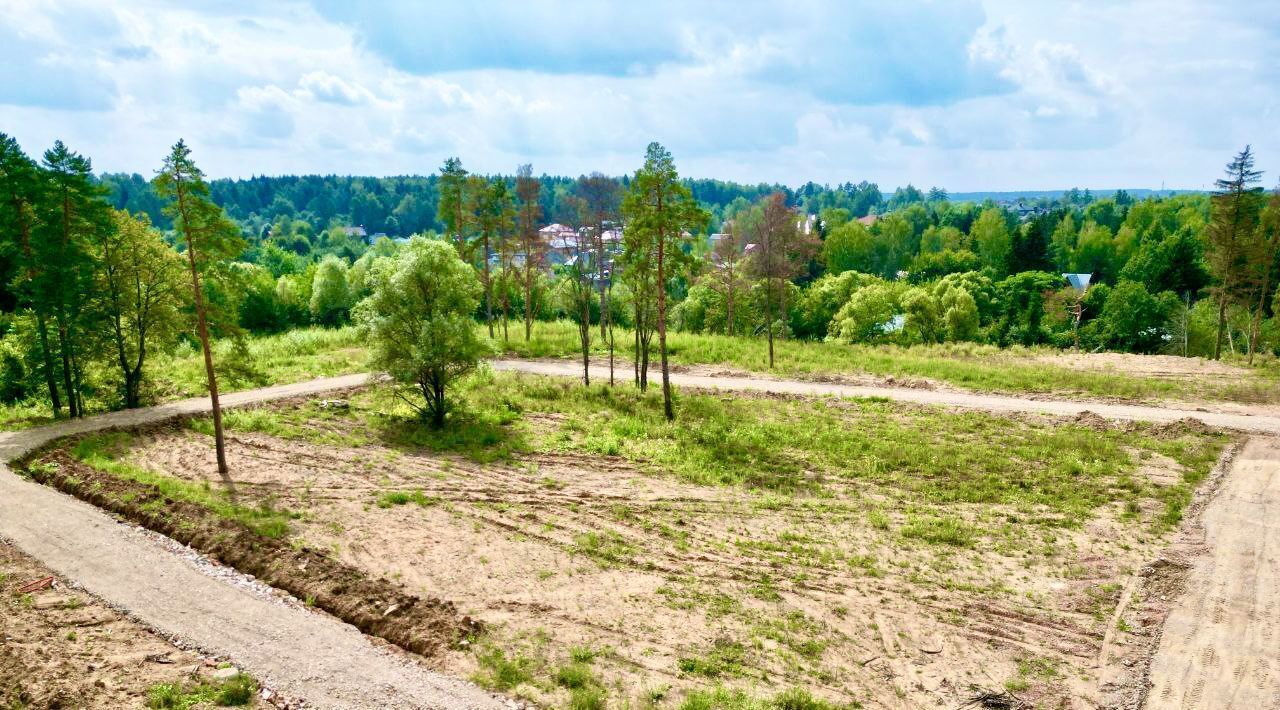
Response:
column 552, row 231
column 355, row 232
column 376, row 236
column 868, row 220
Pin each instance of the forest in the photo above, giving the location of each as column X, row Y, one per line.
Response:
column 97, row 271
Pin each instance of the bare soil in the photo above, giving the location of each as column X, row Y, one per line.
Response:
column 674, row 587
column 63, row 648
column 1161, row 366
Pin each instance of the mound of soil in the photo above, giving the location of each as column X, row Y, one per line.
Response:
column 375, row 606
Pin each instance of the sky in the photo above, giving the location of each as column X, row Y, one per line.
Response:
column 981, row 95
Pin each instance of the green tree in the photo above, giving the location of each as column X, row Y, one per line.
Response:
column 210, row 238
column 991, row 239
column 868, row 315
column 139, row 285
column 21, row 192
column 74, row 218
column 1233, row 222
column 452, row 205
column 923, row 321
column 849, row 247
column 495, row 213
column 418, row 321
column 1133, row 319
column 659, row 209
column 330, row 293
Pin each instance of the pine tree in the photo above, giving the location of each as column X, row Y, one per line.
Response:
column 21, row 191
column 1233, row 222
column 453, row 202
column 659, row 209
column 532, row 246
column 75, row 216
column 209, row 237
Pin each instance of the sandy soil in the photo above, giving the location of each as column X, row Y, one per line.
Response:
column 679, row 586
column 60, row 647
column 1220, row 647
column 1162, row 366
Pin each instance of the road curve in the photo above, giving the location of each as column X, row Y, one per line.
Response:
column 298, row 652
column 332, row 665
column 1256, row 423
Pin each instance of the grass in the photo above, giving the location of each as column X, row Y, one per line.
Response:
column 394, row 498
column 106, row 452
column 721, row 698
column 968, row 365
column 277, row 359
column 235, row 692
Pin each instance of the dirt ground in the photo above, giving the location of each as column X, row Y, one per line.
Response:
column 1220, row 647
column 668, row 587
column 1162, row 366
column 62, row 648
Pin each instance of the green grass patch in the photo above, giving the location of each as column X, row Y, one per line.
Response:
column 394, row 498
column 235, row 692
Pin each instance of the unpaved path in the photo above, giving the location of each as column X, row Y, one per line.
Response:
column 300, row 653
column 1220, row 647
column 331, row 664
column 1261, row 422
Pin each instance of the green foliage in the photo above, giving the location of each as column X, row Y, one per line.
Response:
column 330, row 294
column 1133, row 319
column 418, row 321
column 868, row 315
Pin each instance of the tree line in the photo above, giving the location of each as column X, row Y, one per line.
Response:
column 86, row 282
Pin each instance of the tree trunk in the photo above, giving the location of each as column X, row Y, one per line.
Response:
column 528, row 302
column 488, row 288
column 662, row 327
column 1262, row 306
column 729, row 300
column 202, row 329
column 50, row 380
column 768, row 315
column 1222, row 324
column 73, row 410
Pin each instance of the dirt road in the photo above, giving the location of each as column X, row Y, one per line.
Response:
column 299, row 652
column 1223, row 630
column 1221, row 644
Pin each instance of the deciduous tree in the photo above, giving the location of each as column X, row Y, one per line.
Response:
column 139, row 287
column 419, row 324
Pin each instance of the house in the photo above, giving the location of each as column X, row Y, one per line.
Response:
column 868, row 220
column 552, row 231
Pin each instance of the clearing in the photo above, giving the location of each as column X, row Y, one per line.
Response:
column 865, row 551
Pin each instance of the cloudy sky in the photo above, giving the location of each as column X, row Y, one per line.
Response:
column 992, row 95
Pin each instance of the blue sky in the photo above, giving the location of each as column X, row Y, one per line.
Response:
column 990, row 95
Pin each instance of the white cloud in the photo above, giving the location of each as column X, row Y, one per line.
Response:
column 1004, row 95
